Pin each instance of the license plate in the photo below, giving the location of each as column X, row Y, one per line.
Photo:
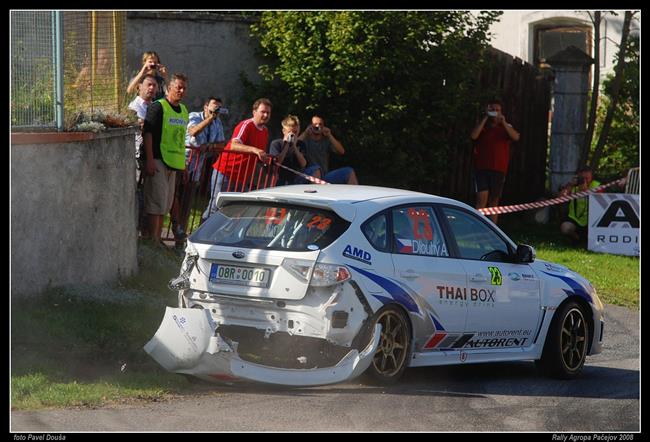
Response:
column 237, row 275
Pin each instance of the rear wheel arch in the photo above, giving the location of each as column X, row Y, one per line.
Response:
column 383, row 369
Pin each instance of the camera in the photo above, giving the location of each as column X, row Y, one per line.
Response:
column 315, row 129
column 579, row 180
column 291, row 138
column 219, row 110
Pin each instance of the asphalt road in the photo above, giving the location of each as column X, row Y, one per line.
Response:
column 484, row 397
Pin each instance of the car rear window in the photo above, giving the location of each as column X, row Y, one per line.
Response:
column 271, row 226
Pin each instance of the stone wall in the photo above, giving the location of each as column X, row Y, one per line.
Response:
column 73, row 209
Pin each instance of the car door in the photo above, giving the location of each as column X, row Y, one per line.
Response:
column 423, row 264
column 503, row 308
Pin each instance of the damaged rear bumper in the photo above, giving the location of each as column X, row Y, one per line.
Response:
column 188, row 342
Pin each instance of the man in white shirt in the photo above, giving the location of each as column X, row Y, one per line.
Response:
column 147, row 92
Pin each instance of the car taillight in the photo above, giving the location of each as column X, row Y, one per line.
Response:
column 299, row 268
column 329, row 274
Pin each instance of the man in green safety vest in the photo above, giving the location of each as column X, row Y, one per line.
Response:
column 575, row 225
column 164, row 144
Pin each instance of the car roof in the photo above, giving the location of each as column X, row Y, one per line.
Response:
column 342, row 198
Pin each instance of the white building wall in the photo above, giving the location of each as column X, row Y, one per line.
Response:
column 514, row 33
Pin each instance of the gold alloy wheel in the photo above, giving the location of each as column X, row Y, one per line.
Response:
column 573, row 339
column 391, row 353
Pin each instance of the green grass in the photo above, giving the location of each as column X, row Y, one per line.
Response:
column 83, row 345
column 617, row 278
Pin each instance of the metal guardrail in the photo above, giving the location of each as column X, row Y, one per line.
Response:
column 193, row 193
column 633, row 183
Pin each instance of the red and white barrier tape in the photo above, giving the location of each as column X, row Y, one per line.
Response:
column 311, row 179
column 499, row 209
column 545, row 203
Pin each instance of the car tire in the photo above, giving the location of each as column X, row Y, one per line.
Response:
column 394, row 350
column 567, row 343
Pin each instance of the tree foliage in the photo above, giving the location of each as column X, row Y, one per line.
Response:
column 392, row 85
column 621, row 151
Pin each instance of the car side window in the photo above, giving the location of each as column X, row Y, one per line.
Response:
column 376, row 231
column 474, row 238
column 416, row 232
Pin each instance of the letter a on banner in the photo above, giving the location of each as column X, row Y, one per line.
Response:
column 614, row 223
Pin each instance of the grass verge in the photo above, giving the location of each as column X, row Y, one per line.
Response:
column 82, row 346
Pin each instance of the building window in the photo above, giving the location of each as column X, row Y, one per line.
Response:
column 549, row 40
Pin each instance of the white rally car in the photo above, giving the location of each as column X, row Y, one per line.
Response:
column 316, row 284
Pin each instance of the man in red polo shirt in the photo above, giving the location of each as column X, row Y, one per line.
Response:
column 492, row 138
column 233, row 171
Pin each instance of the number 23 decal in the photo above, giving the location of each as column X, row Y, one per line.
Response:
column 496, row 275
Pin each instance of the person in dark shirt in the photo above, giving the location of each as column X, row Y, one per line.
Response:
column 320, row 142
column 164, row 142
column 289, row 151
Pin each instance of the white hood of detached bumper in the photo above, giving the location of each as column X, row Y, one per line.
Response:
column 186, row 343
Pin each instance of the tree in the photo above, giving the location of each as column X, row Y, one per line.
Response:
column 621, row 152
column 615, row 91
column 593, row 107
column 395, row 86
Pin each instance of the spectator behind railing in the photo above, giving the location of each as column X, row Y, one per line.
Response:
column 204, row 134
column 232, row 172
column 319, row 143
column 289, row 151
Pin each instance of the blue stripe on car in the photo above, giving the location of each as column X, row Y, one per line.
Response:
column 576, row 287
column 398, row 293
column 436, row 323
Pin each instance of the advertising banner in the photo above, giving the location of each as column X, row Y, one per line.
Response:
column 614, row 223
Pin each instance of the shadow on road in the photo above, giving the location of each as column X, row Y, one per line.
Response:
column 474, row 381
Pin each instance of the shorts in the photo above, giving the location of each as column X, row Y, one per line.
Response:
column 489, row 180
column 159, row 190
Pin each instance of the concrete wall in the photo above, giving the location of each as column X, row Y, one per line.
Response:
column 211, row 49
column 73, row 212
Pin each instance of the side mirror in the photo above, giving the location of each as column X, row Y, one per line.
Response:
column 525, row 253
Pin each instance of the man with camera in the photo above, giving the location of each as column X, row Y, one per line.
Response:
column 150, row 63
column 319, row 142
column 575, row 225
column 492, row 138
